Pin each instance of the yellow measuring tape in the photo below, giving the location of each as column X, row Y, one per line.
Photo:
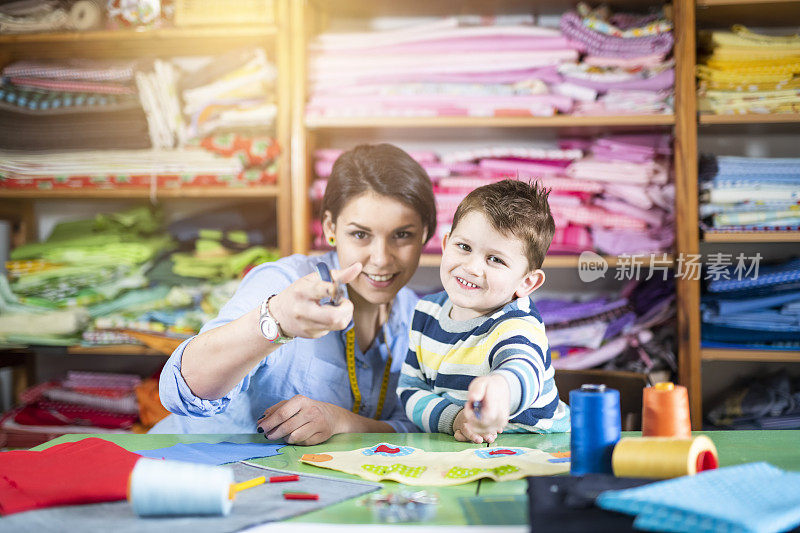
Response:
column 351, row 372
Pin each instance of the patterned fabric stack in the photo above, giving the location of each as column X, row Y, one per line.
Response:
column 750, row 308
column 450, row 67
column 71, row 104
column 106, row 113
column 617, row 200
column 749, row 194
column 747, row 72
column 625, row 69
column 83, row 402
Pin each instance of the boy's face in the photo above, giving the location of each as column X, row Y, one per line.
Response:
column 482, row 269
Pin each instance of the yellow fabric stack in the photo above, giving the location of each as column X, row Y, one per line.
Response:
column 747, row 72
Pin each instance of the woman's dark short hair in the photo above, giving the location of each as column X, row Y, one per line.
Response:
column 386, row 170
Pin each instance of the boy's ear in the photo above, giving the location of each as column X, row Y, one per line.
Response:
column 532, row 281
column 444, row 240
column 328, row 227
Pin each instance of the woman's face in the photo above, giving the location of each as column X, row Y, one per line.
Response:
column 385, row 236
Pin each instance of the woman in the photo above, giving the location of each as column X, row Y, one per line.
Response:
column 275, row 346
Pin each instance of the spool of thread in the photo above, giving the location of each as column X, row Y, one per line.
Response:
column 664, row 457
column 596, row 427
column 665, row 411
column 85, row 15
column 170, row 488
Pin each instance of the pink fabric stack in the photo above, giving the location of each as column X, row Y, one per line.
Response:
column 612, row 194
column 451, row 67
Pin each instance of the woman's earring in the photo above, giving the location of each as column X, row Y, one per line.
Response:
column 331, row 241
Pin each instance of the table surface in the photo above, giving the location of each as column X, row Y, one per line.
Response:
column 780, row 448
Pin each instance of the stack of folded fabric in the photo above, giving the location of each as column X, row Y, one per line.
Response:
column 634, row 212
column 232, row 91
column 186, row 288
column 749, row 194
column 83, row 402
column 625, row 69
column 746, row 72
column 33, row 16
column 769, row 402
column 71, row 104
column 628, row 332
column 618, row 200
column 465, row 66
column 750, row 306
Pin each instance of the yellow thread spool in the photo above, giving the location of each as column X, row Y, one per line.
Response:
column 663, row 457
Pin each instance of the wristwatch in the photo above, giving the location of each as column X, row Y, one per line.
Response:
column 270, row 327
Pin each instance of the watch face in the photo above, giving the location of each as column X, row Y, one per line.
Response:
column 269, row 328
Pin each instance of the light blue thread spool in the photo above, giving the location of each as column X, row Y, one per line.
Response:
column 596, row 428
column 170, row 488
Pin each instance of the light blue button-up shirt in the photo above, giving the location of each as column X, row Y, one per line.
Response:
column 315, row 368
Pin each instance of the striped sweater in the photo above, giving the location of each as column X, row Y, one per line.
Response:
column 445, row 355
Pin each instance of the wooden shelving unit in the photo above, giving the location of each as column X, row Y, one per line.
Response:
column 721, row 14
column 170, row 42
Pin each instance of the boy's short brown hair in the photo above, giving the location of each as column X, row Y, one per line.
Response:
column 518, row 208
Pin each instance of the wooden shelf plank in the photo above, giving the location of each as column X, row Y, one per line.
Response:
column 199, row 32
column 113, row 349
column 752, row 118
column 725, row 354
column 489, row 122
column 266, row 191
column 754, row 236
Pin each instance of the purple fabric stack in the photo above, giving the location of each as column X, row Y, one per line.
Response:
column 617, row 332
column 625, row 69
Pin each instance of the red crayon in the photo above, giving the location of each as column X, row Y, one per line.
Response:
column 300, row 496
column 282, row 479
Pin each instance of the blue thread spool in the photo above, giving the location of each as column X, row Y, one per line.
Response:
column 596, row 428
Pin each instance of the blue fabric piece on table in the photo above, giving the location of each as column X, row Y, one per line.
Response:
column 748, row 498
column 213, row 453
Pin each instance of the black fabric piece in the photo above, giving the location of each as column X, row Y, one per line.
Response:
column 565, row 504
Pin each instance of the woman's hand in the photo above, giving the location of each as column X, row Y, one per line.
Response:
column 297, row 307
column 301, row 420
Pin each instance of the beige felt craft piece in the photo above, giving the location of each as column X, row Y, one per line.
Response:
column 413, row 466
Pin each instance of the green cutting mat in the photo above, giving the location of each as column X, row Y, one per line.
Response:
column 495, row 510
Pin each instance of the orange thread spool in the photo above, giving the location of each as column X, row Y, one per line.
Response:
column 665, row 411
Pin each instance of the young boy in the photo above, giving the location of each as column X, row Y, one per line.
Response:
column 478, row 355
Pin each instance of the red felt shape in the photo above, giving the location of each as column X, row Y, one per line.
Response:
column 91, row 470
column 502, row 452
column 386, row 449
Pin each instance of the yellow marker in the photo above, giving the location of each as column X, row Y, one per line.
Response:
column 250, row 483
column 665, row 385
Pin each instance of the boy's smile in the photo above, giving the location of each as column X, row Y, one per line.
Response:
column 483, row 269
